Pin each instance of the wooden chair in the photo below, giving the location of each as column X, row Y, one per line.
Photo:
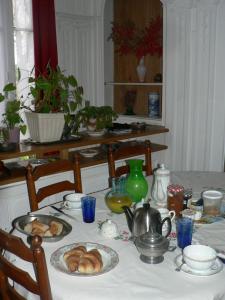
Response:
column 35, row 255
column 33, row 174
column 128, row 150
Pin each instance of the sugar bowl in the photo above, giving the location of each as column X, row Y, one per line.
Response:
column 152, row 246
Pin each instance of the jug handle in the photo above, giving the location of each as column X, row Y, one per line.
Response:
column 129, row 216
column 168, row 220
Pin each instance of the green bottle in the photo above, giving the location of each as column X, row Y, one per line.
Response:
column 136, row 184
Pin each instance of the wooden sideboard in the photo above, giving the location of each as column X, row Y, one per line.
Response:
column 64, row 150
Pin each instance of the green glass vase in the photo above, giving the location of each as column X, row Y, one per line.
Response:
column 136, row 184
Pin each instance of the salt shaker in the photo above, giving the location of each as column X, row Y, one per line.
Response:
column 175, row 198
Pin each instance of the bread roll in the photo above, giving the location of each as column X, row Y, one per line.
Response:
column 28, row 228
column 48, row 233
column 38, row 225
column 56, row 228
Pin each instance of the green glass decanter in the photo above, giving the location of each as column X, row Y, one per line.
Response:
column 136, row 184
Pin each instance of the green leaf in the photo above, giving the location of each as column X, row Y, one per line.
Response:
column 9, row 87
column 2, row 97
column 31, row 79
column 23, row 128
column 18, row 74
column 73, row 106
column 72, row 81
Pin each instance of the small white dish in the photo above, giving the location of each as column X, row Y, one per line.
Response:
column 96, row 133
column 216, row 268
column 89, row 152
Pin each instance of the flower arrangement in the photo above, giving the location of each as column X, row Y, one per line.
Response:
column 128, row 39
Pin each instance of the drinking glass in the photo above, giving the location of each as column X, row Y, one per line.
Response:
column 88, row 208
column 184, row 232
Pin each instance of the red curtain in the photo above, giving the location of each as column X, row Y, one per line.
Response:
column 45, row 44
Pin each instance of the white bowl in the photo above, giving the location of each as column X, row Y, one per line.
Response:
column 73, row 200
column 199, row 257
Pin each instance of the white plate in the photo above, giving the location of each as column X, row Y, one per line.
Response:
column 216, row 268
column 96, row 133
column 109, row 258
column 89, row 153
column 120, row 131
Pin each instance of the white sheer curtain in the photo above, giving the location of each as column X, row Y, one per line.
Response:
column 23, row 43
column 7, row 73
column 16, row 43
column 23, row 38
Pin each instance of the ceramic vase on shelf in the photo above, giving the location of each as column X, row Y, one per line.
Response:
column 141, row 69
column 136, row 184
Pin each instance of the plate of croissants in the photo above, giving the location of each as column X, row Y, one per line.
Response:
column 50, row 228
column 84, row 259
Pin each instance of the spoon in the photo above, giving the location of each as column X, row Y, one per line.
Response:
column 180, row 266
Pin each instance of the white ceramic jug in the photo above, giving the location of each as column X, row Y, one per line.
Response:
column 159, row 187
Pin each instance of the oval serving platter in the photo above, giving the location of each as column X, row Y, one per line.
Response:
column 110, row 258
column 20, row 222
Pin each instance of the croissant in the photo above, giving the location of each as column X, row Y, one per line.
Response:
column 72, row 262
column 78, row 251
column 95, row 258
column 85, row 262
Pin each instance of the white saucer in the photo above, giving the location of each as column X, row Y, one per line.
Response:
column 88, row 152
column 216, row 268
column 96, row 133
column 70, row 208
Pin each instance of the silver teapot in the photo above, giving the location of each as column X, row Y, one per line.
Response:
column 145, row 219
column 152, row 246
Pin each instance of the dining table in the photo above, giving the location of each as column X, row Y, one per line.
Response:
column 129, row 277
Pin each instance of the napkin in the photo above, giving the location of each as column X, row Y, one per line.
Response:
column 213, row 235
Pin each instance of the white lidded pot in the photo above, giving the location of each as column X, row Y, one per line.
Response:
column 161, row 180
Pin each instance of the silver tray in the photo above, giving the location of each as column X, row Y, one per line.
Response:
column 20, row 222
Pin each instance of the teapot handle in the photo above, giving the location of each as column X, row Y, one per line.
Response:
column 168, row 220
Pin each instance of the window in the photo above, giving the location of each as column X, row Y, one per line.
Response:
column 23, row 41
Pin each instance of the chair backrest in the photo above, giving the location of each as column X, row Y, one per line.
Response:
column 35, row 255
column 127, row 150
column 33, row 174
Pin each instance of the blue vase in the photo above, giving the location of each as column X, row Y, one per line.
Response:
column 136, row 184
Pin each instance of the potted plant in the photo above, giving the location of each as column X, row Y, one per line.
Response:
column 52, row 97
column 96, row 118
column 12, row 121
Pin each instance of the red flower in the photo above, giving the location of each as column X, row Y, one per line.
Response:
column 129, row 39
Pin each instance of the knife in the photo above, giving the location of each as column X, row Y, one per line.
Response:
column 62, row 212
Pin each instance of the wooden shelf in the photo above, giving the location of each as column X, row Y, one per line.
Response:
column 63, row 148
column 18, row 174
column 101, row 157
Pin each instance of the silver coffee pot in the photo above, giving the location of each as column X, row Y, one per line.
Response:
column 145, row 219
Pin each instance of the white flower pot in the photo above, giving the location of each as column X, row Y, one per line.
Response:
column 45, row 127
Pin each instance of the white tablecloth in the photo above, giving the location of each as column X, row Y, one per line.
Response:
column 131, row 278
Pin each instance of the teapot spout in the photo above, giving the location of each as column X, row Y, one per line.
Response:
column 129, row 217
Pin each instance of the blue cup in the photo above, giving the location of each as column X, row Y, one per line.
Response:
column 184, row 232
column 88, row 208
